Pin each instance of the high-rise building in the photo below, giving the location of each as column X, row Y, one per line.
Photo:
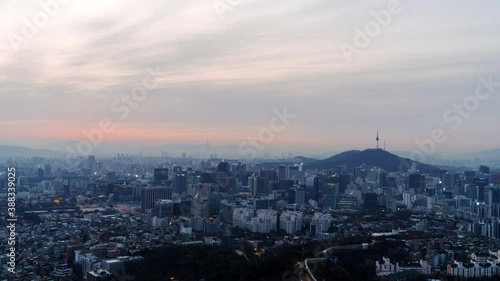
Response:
column 485, row 170
column 223, row 167
column 294, row 173
column 123, row 192
column 459, row 188
column 300, row 196
column 200, row 207
column 226, row 183
column 344, row 181
column 151, row 194
column 262, row 203
column 179, row 182
column 160, row 174
column 40, row 172
column 469, row 175
column 493, row 195
column 264, row 221
column 98, row 189
column 471, row 191
column 110, row 177
column 291, row 222
column 197, row 223
column 176, row 169
column 313, row 186
column 330, row 195
column 291, row 196
column 241, row 216
column 296, row 195
column 282, row 172
column 448, row 181
column 481, row 184
column 285, row 184
column 315, row 229
column 47, row 170
column 214, row 202
column 259, row 186
column 407, row 200
column 382, row 180
column 322, row 222
column 269, row 175
column 164, row 208
column 370, row 200
column 182, row 208
column 463, row 203
column 417, row 182
column 226, row 210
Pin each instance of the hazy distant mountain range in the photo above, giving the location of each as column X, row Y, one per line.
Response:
column 472, row 159
column 493, row 154
column 20, row 151
column 389, row 161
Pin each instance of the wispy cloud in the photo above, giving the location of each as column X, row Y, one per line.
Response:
column 222, row 77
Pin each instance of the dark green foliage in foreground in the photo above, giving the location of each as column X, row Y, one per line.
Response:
column 192, row 263
column 352, row 266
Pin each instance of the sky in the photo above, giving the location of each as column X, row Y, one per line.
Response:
column 159, row 73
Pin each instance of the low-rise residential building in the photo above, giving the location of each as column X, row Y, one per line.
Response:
column 473, row 269
column 385, row 267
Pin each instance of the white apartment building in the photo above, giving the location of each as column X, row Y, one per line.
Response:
column 90, row 263
column 324, row 219
column 291, row 221
column 385, row 267
column 241, row 216
column 473, row 269
column 262, row 221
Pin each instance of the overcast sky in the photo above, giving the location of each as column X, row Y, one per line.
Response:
column 224, row 71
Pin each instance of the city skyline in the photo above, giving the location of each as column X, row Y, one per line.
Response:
column 219, row 75
column 249, row 140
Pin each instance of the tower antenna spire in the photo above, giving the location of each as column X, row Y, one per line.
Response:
column 377, row 139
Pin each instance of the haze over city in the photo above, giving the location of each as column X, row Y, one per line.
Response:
column 249, row 140
column 222, row 72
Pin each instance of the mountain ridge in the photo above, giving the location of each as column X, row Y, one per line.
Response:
column 22, row 151
column 372, row 157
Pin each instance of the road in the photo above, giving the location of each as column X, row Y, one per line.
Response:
column 314, row 260
column 363, row 246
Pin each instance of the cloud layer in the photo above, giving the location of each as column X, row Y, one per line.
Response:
column 222, row 77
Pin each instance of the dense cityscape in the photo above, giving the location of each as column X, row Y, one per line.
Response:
column 87, row 218
column 249, row 140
